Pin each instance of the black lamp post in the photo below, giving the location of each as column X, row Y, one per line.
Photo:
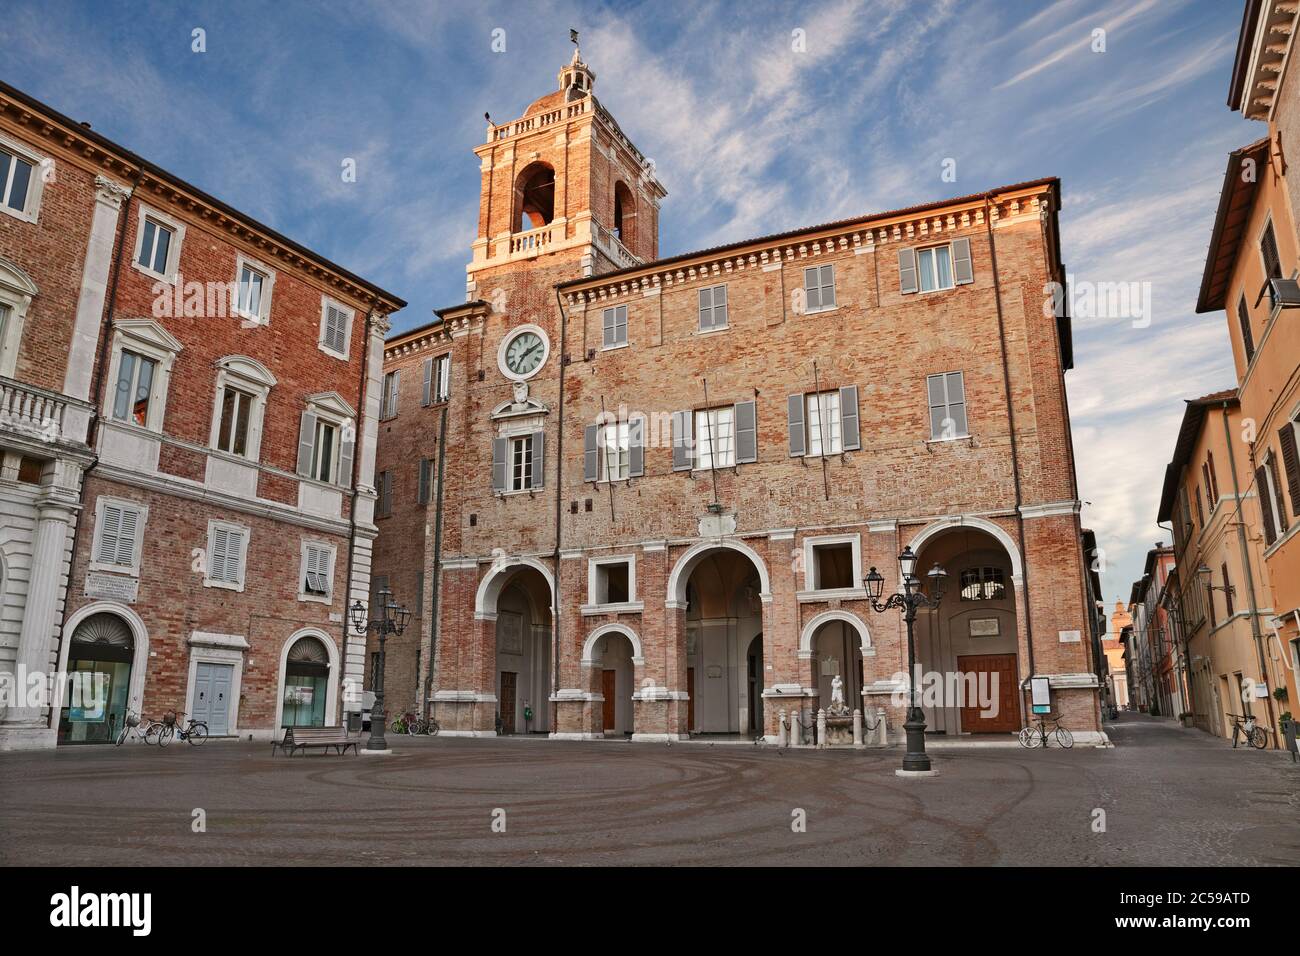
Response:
column 910, row 599
column 392, row 619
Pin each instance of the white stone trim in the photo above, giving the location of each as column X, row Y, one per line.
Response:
column 177, row 229
column 17, row 289
column 251, row 376
column 210, row 648
column 1050, row 508
column 996, row 531
column 331, row 683
column 263, row 316
column 42, row 170
column 139, row 656
column 151, row 340
column 589, row 645
column 325, row 303
column 142, row 510
column 245, row 535
column 489, row 589
column 811, row 543
column 681, row 572
column 593, row 572
column 303, row 594
column 810, row 629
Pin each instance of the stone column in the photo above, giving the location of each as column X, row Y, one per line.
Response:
column 25, row 727
column 109, row 196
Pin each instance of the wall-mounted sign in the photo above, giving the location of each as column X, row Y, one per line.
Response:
column 713, row 670
column 113, row 587
column 1040, row 695
column 1069, row 637
column 830, row 666
column 984, row 627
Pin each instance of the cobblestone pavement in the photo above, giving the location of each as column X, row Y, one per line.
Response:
column 1171, row 796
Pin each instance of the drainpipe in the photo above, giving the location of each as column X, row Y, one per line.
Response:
column 559, row 507
column 1011, row 421
column 1245, row 563
column 352, row 509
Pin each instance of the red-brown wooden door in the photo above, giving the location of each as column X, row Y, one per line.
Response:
column 1007, row 717
column 608, row 690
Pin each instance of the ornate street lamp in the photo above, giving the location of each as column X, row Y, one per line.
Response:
column 910, row 599
column 392, row 619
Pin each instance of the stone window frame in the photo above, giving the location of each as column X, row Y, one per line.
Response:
column 632, row 604
column 17, row 290
column 177, row 229
column 36, row 186
column 263, row 317
column 326, row 303
column 811, row 589
column 329, row 549
column 250, row 376
column 137, row 546
column 145, row 337
column 245, row 535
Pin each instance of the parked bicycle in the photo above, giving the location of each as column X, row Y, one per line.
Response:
column 140, row 729
column 1250, row 731
column 413, row 725
column 1036, row 733
column 194, row 731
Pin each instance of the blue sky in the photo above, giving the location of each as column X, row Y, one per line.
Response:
column 749, row 136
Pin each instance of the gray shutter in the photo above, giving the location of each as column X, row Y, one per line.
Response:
column 906, row 270
column 962, row 273
column 108, row 534
column 306, row 443
column 849, row 418
column 590, row 455
column 386, row 493
column 746, row 432
column 811, row 290
column 498, row 464
column 706, row 309
column 347, row 448
column 539, row 469
column 636, row 448
column 828, row 285
column 422, row 493
column 427, row 394
column 794, row 416
column 683, row 451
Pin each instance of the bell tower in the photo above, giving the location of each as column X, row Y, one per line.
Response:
column 564, row 193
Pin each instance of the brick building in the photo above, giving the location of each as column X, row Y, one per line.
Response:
column 204, row 505
column 639, row 495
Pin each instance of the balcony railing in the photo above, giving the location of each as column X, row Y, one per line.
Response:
column 30, row 411
column 613, row 247
column 539, row 121
column 536, row 240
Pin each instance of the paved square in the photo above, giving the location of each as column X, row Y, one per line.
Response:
column 1171, row 796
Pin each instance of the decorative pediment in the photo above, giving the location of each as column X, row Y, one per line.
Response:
column 529, row 406
column 147, row 332
column 332, row 402
column 247, row 368
column 14, row 279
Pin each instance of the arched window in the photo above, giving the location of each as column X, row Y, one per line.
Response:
column 624, row 214
column 535, row 197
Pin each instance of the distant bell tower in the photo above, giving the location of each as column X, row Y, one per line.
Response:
column 563, row 190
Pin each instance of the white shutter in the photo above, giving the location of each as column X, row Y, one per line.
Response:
column 108, row 533
column 219, row 559
column 126, row 537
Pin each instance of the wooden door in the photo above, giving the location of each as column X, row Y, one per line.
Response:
column 1007, row 718
column 608, row 690
column 508, row 702
column 690, row 702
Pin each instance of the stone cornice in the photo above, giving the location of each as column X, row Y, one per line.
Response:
column 1015, row 205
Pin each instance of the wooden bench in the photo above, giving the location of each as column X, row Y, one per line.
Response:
column 301, row 738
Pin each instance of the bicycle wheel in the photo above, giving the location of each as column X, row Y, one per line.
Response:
column 1064, row 737
column 165, row 734
column 197, row 734
column 121, row 737
column 1257, row 738
column 397, row 727
column 433, row 727
column 1029, row 738
column 149, row 732
column 413, row 729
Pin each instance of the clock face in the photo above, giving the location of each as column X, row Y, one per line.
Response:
column 524, row 353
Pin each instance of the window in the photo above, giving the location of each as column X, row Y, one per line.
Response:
column 715, row 430
column 425, row 481
column 139, row 371
column 236, row 409
column 388, row 407
column 824, row 425
column 21, row 180
column 831, row 563
column 155, row 244
column 1227, row 589
column 254, row 284
column 17, row 290
column 521, row 464
column 614, row 322
column 227, row 548
column 947, row 406
column 336, row 328
column 384, row 506
column 934, row 268
column 317, row 573
column 819, row 288
column 517, row 462
column 1247, row 337
column 615, row 451
column 135, row 379
column 1270, row 499
column 983, row 584
column 119, row 534
column 437, row 380
column 326, row 440
column 713, row 308
column 611, row 580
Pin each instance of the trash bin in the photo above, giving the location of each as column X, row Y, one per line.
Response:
column 354, row 721
column 1289, row 731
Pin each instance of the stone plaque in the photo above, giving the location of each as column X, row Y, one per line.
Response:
column 1070, row 637
column 984, row 627
column 112, row 587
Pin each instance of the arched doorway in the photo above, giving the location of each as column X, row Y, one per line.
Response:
column 837, row 652
column 522, row 607
column 624, row 214
column 307, row 688
column 968, row 649
column 724, row 615
column 754, row 671
column 98, row 685
column 612, row 652
column 534, row 197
